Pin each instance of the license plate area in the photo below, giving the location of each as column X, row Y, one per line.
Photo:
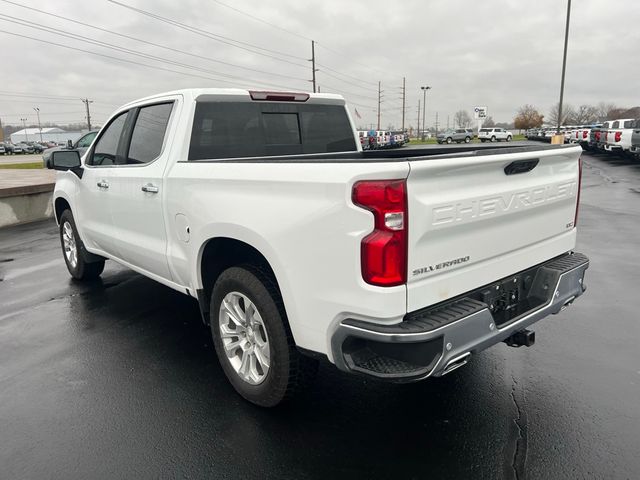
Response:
column 512, row 297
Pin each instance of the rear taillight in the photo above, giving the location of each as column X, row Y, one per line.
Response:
column 618, row 136
column 383, row 252
column 575, row 218
column 598, row 136
column 585, row 134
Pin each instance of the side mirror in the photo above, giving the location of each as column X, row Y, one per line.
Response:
column 66, row 160
column 69, row 144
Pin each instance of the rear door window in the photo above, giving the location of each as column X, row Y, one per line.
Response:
column 148, row 133
column 248, row 129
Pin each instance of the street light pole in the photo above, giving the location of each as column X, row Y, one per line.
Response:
column 564, row 65
column 39, row 127
column 24, row 125
column 424, row 108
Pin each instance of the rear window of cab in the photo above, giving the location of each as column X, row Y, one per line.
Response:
column 248, row 129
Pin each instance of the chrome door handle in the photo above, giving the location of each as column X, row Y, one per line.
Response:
column 150, row 188
column 103, row 184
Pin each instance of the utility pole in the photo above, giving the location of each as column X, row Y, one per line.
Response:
column 418, row 132
column 404, row 93
column 24, row 125
column 564, row 65
column 436, row 124
column 313, row 64
column 379, row 100
column 39, row 127
column 424, row 107
column 447, row 121
column 86, row 102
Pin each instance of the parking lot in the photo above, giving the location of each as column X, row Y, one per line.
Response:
column 118, row 379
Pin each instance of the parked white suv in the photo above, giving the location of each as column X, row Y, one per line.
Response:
column 397, row 265
column 494, row 135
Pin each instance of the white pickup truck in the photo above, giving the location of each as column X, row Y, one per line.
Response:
column 298, row 245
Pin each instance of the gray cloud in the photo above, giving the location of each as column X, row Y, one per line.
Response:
column 496, row 53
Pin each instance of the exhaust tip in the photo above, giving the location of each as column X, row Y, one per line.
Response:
column 456, row 362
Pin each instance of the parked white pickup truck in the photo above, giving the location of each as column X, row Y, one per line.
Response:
column 297, row 245
column 618, row 138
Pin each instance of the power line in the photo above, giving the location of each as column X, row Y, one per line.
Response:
column 345, row 92
column 214, row 36
column 290, row 32
column 342, row 80
column 110, row 46
column 129, row 37
column 48, row 42
column 335, row 52
column 346, row 75
column 258, row 19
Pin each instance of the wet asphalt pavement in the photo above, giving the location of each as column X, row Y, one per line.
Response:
column 118, row 379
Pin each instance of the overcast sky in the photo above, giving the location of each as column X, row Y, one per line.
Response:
column 501, row 54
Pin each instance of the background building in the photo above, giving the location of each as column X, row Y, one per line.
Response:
column 48, row 135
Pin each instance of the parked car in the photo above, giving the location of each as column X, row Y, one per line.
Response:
column 82, row 144
column 17, row 149
column 37, row 148
column 364, row 142
column 494, row 135
column 306, row 248
column 3, row 150
column 583, row 135
column 635, row 139
column 455, row 135
column 618, row 137
column 383, row 138
column 24, row 148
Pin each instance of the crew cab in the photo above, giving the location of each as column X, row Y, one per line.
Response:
column 494, row 135
column 618, row 138
column 297, row 245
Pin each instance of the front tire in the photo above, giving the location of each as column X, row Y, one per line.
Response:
column 493, row 139
column 252, row 338
column 467, row 140
column 73, row 251
column 508, row 138
column 448, row 140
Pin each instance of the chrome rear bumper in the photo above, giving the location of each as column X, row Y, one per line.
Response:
column 438, row 340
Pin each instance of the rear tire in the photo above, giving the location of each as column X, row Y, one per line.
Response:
column 467, row 140
column 252, row 338
column 493, row 139
column 448, row 140
column 73, row 251
column 508, row 138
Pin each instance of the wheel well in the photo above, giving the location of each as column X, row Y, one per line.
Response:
column 220, row 254
column 60, row 206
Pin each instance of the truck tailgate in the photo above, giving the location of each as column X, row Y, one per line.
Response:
column 478, row 218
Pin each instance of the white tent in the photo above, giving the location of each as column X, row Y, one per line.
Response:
column 48, row 135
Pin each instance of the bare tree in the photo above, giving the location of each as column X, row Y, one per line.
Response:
column 528, row 117
column 605, row 110
column 488, row 122
column 585, row 114
column 462, row 118
column 567, row 114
